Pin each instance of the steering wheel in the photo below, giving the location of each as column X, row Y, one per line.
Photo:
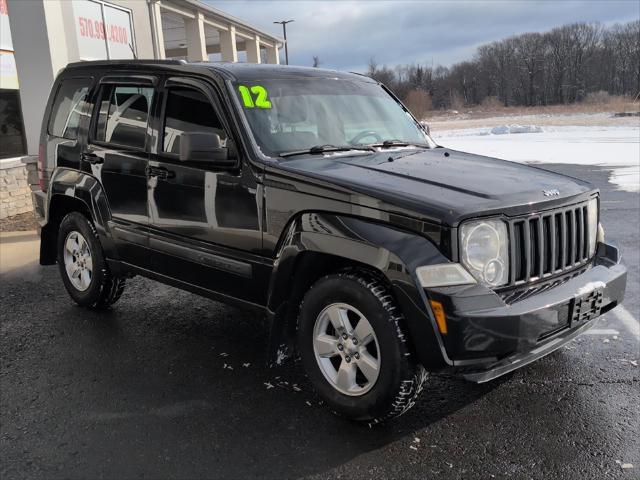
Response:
column 364, row 134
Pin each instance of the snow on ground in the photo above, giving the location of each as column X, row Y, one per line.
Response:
column 617, row 148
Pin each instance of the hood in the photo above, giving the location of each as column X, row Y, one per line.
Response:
column 444, row 185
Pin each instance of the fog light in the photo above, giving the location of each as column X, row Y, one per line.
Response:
column 444, row 275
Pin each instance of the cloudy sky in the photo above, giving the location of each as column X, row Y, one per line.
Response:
column 345, row 34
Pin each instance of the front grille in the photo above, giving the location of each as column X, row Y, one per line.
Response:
column 548, row 243
column 515, row 294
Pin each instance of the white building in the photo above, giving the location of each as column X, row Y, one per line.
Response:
column 46, row 35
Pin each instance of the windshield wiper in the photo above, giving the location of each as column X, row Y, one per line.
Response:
column 397, row 143
column 317, row 149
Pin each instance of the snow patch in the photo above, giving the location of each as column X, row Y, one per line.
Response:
column 506, row 129
column 589, row 287
column 617, row 148
column 626, row 178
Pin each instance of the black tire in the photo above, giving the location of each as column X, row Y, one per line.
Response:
column 400, row 379
column 104, row 289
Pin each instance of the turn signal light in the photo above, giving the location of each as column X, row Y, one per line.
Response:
column 438, row 312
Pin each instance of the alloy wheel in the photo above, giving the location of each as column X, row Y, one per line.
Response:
column 78, row 262
column 346, row 349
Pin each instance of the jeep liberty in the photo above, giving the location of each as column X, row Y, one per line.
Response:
column 315, row 198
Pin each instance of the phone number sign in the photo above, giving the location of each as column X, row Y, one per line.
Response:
column 102, row 31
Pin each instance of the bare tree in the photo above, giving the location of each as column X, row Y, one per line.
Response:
column 418, row 102
column 560, row 66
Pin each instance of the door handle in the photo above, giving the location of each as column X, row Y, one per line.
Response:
column 92, row 158
column 160, row 172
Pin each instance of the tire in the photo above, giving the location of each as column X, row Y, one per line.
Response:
column 83, row 268
column 366, row 395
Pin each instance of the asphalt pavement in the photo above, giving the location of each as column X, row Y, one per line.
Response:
column 171, row 385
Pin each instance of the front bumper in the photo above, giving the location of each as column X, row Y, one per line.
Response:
column 488, row 338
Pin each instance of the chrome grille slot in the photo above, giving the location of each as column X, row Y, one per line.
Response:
column 548, row 243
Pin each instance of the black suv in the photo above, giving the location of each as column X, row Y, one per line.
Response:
column 316, row 198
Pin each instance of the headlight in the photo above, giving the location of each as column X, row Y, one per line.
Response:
column 592, row 222
column 484, row 251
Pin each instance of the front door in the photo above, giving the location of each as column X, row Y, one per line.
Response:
column 204, row 220
column 118, row 155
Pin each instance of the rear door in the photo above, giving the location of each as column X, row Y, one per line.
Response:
column 117, row 154
column 204, row 220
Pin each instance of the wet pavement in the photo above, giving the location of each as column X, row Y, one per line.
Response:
column 171, row 385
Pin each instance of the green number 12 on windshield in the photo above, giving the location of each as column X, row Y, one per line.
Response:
column 260, row 96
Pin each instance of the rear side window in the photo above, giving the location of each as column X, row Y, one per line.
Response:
column 189, row 111
column 68, row 108
column 123, row 115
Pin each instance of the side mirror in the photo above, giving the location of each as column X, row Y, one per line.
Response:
column 206, row 148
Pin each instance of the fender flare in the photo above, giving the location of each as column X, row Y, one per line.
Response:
column 390, row 252
column 85, row 189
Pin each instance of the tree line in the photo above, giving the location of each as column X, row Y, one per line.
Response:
column 563, row 65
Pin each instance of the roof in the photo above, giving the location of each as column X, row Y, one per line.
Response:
column 234, row 71
column 252, row 71
column 210, row 10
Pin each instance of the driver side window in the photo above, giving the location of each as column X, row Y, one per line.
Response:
column 189, row 111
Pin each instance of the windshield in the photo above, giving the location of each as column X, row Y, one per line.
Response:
column 297, row 114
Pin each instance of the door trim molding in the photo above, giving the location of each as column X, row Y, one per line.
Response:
column 191, row 254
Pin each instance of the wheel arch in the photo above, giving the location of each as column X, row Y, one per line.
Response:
column 318, row 243
column 73, row 191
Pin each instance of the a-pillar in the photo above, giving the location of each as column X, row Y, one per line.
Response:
column 196, row 43
column 228, row 48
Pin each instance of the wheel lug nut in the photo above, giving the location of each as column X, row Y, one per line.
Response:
column 357, row 356
column 347, row 359
column 354, row 340
column 340, row 347
column 345, row 336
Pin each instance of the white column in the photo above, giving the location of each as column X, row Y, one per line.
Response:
column 40, row 49
column 196, row 44
column 273, row 55
column 228, row 47
column 253, row 49
column 156, row 30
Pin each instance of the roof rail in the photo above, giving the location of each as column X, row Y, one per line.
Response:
column 149, row 61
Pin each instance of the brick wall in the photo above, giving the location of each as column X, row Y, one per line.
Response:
column 15, row 192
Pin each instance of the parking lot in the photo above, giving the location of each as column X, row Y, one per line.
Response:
column 171, row 385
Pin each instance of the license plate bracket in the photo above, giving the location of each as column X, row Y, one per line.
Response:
column 586, row 307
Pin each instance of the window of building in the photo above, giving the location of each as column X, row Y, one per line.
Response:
column 11, row 129
column 68, row 108
column 189, row 110
column 103, row 30
column 124, row 114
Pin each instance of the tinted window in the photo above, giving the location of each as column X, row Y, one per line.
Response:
column 124, row 113
column 189, row 111
column 68, row 107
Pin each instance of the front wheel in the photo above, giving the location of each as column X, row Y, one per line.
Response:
column 82, row 265
column 354, row 349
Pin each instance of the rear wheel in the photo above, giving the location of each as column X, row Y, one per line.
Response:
column 84, row 272
column 354, row 349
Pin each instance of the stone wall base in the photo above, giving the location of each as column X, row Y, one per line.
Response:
column 15, row 191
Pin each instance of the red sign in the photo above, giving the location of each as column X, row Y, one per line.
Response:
column 95, row 29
